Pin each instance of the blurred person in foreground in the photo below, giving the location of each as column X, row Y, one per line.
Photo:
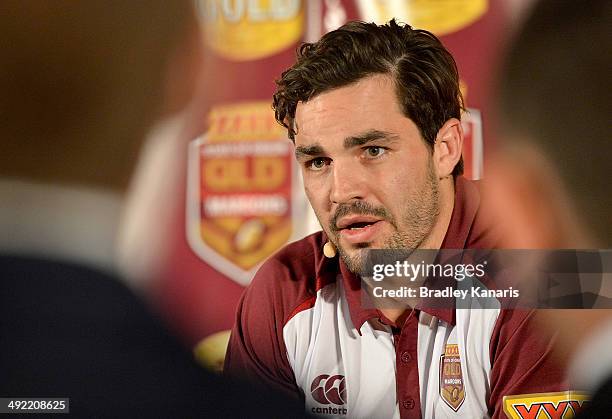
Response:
column 374, row 114
column 550, row 180
column 81, row 84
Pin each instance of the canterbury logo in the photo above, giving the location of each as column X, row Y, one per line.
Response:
column 327, row 389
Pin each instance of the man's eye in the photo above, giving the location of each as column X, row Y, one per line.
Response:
column 317, row 163
column 374, row 151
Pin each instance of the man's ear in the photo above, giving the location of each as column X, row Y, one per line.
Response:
column 448, row 147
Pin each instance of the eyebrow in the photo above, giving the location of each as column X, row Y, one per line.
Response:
column 367, row 137
column 302, row 151
column 349, row 142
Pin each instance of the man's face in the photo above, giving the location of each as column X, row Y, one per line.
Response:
column 367, row 171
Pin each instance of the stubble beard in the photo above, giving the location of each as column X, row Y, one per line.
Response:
column 420, row 215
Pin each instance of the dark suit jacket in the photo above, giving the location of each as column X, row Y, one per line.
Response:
column 72, row 331
column 600, row 405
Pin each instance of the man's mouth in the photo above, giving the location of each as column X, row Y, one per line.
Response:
column 357, row 229
column 358, row 226
column 357, row 221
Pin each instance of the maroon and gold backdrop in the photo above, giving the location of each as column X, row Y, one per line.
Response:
column 240, row 196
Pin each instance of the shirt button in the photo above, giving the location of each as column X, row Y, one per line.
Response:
column 408, row 404
column 406, row 357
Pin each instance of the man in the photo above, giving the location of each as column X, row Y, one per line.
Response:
column 554, row 166
column 81, row 84
column 374, row 112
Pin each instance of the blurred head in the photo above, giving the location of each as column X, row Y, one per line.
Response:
column 374, row 114
column 555, row 112
column 82, row 82
column 549, row 182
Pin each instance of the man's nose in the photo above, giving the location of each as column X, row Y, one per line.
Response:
column 348, row 182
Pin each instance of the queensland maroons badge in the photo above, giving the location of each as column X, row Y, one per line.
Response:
column 239, row 189
column 452, row 390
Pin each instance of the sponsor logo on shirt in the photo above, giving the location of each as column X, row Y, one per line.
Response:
column 329, row 390
column 451, row 378
column 562, row 405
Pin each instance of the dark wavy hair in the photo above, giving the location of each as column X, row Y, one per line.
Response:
column 425, row 73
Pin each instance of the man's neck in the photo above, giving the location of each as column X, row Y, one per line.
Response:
column 434, row 240
column 446, row 204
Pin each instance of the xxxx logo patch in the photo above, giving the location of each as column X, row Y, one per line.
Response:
column 562, row 405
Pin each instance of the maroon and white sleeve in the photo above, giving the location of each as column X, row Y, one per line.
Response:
column 522, row 360
column 256, row 351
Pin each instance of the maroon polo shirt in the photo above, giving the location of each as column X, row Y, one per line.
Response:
column 287, row 284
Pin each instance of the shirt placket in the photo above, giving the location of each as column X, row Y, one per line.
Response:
column 407, row 371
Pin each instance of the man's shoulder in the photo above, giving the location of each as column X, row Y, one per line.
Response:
column 301, row 257
column 290, row 276
column 64, row 279
column 71, row 295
